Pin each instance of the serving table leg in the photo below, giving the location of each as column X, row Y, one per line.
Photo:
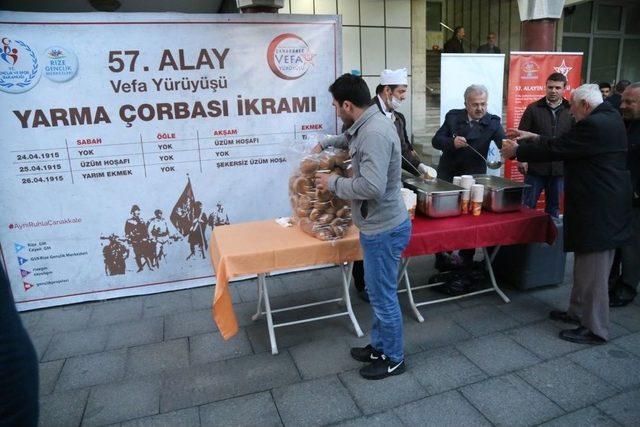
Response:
column 404, row 276
column 488, row 260
column 263, row 301
column 347, row 269
column 262, row 282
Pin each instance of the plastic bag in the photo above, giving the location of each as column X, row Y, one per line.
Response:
column 319, row 213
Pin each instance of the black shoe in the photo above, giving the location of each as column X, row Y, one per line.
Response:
column 581, row 335
column 363, row 295
column 563, row 316
column 365, row 354
column 382, row 368
column 444, row 262
column 616, row 301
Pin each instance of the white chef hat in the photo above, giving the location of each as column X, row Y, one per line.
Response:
column 394, row 77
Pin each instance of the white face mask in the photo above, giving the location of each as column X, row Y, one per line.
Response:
column 395, row 102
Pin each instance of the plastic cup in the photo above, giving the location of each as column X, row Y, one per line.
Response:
column 466, row 181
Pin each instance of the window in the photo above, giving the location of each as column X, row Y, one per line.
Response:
column 631, row 60
column 633, row 20
column 609, row 18
column 604, row 61
column 578, row 44
column 434, row 15
column 608, row 34
column 577, row 19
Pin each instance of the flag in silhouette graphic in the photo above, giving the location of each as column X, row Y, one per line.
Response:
column 182, row 213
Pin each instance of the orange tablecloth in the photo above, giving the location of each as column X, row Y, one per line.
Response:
column 262, row 247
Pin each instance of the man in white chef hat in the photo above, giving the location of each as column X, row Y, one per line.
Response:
column 390, row 94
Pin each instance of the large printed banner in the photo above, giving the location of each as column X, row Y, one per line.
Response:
column 460, row 70
column 528, row 72
column 126, row 138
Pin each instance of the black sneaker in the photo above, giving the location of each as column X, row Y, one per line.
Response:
column 382, row 368
column 365, row 354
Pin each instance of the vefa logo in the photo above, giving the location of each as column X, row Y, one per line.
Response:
column 289, row 56
column 529, row 71
column 19, row 69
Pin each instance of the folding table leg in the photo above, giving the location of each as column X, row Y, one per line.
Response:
column 346, row 280
column 487, row 261
column 259, row 309
column 262, row 282
column 404, row 276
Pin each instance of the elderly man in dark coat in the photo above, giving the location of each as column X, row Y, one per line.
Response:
column 597, row 204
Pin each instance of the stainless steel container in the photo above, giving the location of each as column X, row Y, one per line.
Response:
column 436, row 198
column 501, row 195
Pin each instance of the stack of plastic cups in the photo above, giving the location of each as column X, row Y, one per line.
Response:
column 456, row 180
column 410, row 201
column 477, row 195
column 466, row 181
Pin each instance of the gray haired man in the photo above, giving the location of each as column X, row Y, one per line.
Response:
column 470, row 126
column 597, row 217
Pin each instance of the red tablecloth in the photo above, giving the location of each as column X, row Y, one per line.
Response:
column 431, row 235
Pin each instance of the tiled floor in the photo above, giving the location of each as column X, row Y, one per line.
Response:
column 159, row 360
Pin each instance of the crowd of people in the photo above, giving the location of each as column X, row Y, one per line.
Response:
column 585, row 147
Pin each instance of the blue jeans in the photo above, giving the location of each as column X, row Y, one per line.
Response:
column 552, row 186
column 381, row 259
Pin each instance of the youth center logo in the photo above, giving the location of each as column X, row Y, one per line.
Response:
column 60, row 64
column 530, row 71
column 19, row 69
column 289, row 56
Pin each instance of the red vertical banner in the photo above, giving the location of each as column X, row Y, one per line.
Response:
column 528, row 72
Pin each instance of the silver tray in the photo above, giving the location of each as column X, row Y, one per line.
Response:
column 436, row 198
column 500, row 194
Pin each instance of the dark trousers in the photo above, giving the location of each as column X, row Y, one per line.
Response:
column 358, row 275
column 18, row 366
column 552, row 186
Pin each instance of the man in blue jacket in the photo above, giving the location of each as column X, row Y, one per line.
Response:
column 469, row 126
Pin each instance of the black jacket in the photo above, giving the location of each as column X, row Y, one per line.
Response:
column 487, row 48
column 18, row 365
column 614, row 99
column 464, row 161
column 633, row 157
column 538, row 118
column 453, row 45
column 597, row 183
column 409, row 156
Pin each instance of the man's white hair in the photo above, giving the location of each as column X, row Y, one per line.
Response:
column 590, row 93
column 479, row 89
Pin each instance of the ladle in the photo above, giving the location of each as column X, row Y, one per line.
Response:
column 490, row 165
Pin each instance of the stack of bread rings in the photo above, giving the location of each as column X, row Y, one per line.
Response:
column 320, row 213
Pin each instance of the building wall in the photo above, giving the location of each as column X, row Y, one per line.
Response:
column 376, row 34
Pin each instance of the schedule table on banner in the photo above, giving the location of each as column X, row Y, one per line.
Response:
column 263, row 247
column 490, row 229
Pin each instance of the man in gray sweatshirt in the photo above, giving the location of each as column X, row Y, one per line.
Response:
column 378, row 211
